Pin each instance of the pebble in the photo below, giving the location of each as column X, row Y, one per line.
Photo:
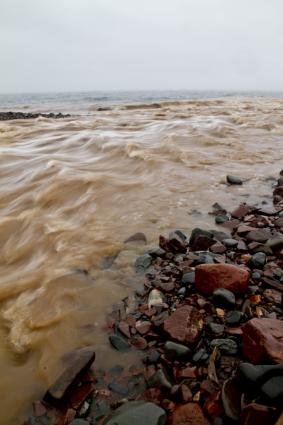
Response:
column 230, row 243
column 234, row 317
column 119, row 342
column 143, row 262
column 223, row 298
column 258, row 260
column 138, row 413
column 176, row 351
column 188, row 278
column 233, row 179
column 200, row 356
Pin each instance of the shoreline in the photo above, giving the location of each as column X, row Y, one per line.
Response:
column 209, row 311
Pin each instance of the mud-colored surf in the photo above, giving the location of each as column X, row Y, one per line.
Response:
column 72, row 190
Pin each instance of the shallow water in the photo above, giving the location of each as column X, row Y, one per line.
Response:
column 72, row 190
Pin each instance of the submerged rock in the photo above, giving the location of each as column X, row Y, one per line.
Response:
column 234, row 179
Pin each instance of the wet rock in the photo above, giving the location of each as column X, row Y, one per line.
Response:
column 77, row 365
column 212, row 276
column 200, row 239
column 185, row 393
column 275, row 243
column 138, row 413
column 119, row 342
column 220, row 219
column 174, row 351
column 263, row 340
column 273, row 388
column 218, row 248
column 79, row 422
column 184, row 325
column 177, row 242
column 258, row 260
column 143, row 327
column 182, row 292
column 234, row 317
column 203, row 258
column 231, row 399
column 273, row 296
column 143, row 262
column 256, row 275
column 223, row 298
column 259, row 235
column 137, row 237
column 152, row 357
column 189, row 414
column 226, row 346
column 258, row 414
column 216, row 328
column 157, row 252
column 200, row 356
column 234, row 180
column 188, row 279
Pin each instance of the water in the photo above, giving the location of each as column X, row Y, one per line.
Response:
column 73, row 189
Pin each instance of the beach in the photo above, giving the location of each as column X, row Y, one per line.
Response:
column 75, row 188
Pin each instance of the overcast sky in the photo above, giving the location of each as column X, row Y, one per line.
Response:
column 62, row 45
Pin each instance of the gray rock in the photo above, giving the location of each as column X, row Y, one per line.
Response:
column 234, row 317
column 216, row 328
column 220, row 219
column 188, row 278
column 200, row 356
column 200, row 239
column 138, row 413
column 233, row 179
column 273, row 388
column 256, row 275
column 280, row 214
column 79, row 422
column 137, row 237
column 157, row 252
column 258, row 260
column 143, row 262
column 226, row 346
column 230, row 243
column 257, row 374
column 223, row 298
column 182, row 292
column 160, row 379
column 275, row 243
column 174, row 351
column 119, row 342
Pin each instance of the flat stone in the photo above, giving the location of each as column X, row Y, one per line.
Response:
column 218, row 248
column 234, row 180
column 138, row 413
column 79, row 362
column 174, row 351
column 259, row 235
column 223, row 298
column 189, row 414
column 230, row 243
column 263, row 340
column 275, row 243
column 212, row 276
column 184, row 325
column 200, row 356
column 226, row 346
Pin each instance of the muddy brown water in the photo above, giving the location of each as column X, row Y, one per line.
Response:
column 73, row 190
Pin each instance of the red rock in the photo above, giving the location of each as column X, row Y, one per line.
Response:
column 213, row 407
column 231, row 224
column 241, row 211
column 184, row 325
column 38, row 408
column 143, row 327
column 263, row 340
column 80, row 395
column 218, row 248
column 189, row 414
column 188, row 372
column 259, row 235
column 245, row 229
column 138, row 342
column 258, row 414
column 185, row 393
column 212, row 276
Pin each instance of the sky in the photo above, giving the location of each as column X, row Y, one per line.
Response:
column 76, row 45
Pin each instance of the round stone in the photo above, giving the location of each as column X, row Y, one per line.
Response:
column 258, row 260
column 223, row 298
column 174, row 351
column 234, row 317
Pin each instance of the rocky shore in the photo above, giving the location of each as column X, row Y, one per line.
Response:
column 209, row 321
column 7, row 116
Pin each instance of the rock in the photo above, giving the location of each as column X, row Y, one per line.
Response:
column 79, row 362
column 138, row 413
column 203, row 258
column 157, row 252
column 258, row 414
column 201, row 240
column 79, row 422
column 231, row 399
column 155, row 298
column 226, row 346
column 233, row 317
column 275, row 243
column 177, row 242
column 258, row 260
column 200, row 356
column 233, row 179
column 220, row 219
column 143, row 262
column 216, row 329
column 258, row 374
column 212, row 276
column 184, row 325
column 188, row 414
column 137, row 237
column 218, row 248
column 119, row 342
column 223, row 298
column 143, row 327
column 160, row 379
column 174, row 351
column 259, row 235
column 273, row 296
column 263, row 340
column 230, row 243
column 152, row 357
column 273, row 388
column 188, row 278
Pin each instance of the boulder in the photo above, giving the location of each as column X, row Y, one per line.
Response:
column 212, row 276
column 263, row 340
column 184, row 325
